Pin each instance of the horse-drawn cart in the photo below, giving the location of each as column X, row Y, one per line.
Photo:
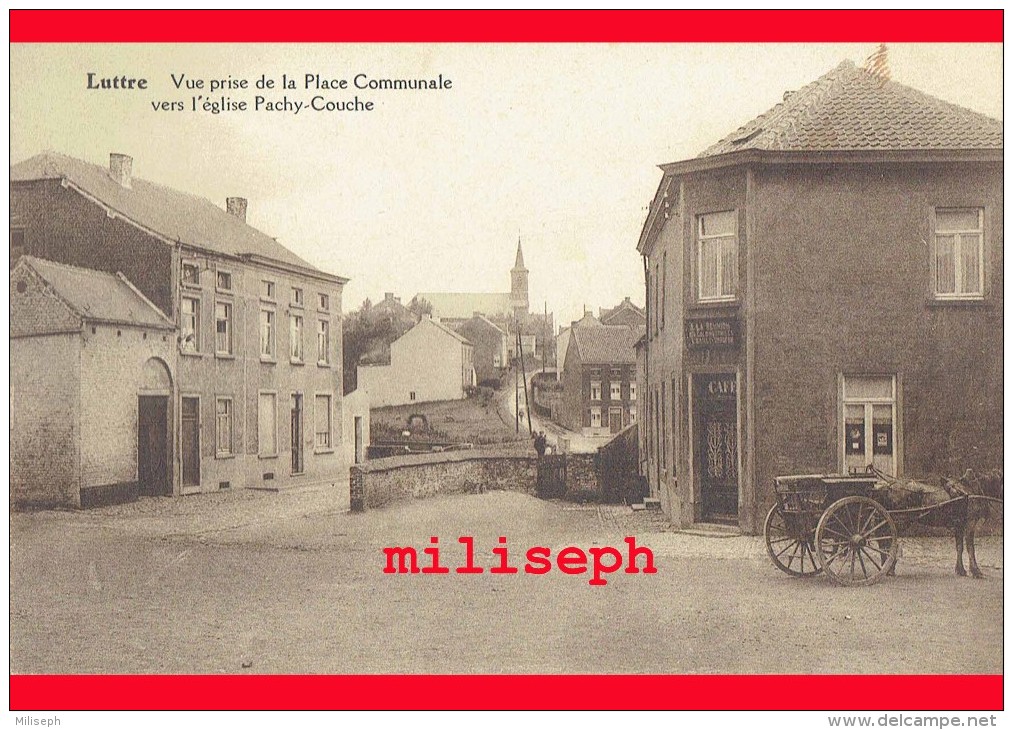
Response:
column 839, row 526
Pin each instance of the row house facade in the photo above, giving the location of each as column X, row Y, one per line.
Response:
column 825, row 293
column 252, row 388
column 600, row 380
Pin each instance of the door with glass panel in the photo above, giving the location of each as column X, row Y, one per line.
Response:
column 870, row 424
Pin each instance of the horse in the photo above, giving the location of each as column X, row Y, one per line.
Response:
column 958, row 504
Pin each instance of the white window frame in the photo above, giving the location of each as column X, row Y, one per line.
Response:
column 298, row 297
column 596, row 390
column 633, row 391
column 615, row 390
column 194, row 349
column 327, row 447
column 633, row 414
column 323, row 302
column 269, row 290
column 268, row 328
column 596, row 415
column 868, row 402
column 230, row 328
column 296, row 351
column 958, row 259
column 323, row 342
column 261, row 451
column 733, row 238
column 231, row 416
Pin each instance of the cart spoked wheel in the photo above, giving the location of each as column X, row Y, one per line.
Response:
column 856, row 541
column 791, row 550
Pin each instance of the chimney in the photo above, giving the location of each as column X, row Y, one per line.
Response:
column 388, row 296
column 120, row 167
column 236, row 207
column 627, row 300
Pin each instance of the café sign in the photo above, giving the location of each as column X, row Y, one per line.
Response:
column 712, row 333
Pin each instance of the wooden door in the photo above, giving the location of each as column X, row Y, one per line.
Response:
column 190, row 441
column 153, row 446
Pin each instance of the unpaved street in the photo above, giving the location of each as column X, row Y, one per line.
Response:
column 283, row 583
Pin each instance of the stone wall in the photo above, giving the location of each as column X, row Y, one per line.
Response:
column 401, row 478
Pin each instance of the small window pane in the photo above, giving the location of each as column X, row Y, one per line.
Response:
column 945, row 265
column 970, row 248
column 728, row 268
column 709, row 268
column 718, row 224
column 958, row 219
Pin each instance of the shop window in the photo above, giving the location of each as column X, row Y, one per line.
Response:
column 869, row 427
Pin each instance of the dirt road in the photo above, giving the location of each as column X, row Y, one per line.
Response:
column 284, row 583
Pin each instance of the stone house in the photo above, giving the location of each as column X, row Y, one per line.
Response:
column 599, row 380
column 825, row 292
column 430, row 362
column 490, row 342
column 626, row 312
column 89, row 387
column 252, row 386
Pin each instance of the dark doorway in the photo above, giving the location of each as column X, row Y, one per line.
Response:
column 189, row 430
column 296, row 431
column 716, row 447
column 153, row 446
column 615, row 420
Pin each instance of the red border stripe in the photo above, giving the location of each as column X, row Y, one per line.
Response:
column 506, row 692
column 615, row 26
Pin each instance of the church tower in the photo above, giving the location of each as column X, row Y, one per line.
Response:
column 519, row 285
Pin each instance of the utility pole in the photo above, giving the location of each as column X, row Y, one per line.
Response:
column 517, row 397
column 545, row 337
column 524, row 378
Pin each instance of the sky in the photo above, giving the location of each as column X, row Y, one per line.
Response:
column 557, row 145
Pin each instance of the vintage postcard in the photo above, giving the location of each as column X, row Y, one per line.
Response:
column 664, row 361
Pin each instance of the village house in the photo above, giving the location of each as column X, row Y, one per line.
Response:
column 491, row 351
column 430, row 362
column 563, row 338
column 600, row 380
column 626, row 312
column 825, row 293
column 250, row 392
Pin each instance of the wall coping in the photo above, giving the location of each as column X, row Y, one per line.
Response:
column 446, row 457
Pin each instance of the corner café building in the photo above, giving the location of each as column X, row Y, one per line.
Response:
column 824, row 292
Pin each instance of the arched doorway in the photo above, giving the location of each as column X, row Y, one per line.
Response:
column 154, row 462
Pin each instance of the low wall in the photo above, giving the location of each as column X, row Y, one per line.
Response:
column 399, row 478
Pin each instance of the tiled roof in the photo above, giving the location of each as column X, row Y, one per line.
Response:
column 849, row 109
column 447, row 330
column 173, row 214
column 98, row 296
column 449, row 305
column 626, row 304
column 607, row 344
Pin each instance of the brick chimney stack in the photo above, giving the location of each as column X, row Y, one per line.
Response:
column 120, row 168
column 236, row 207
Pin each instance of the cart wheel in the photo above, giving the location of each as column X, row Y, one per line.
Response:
column 791, row 552
column 856, row 541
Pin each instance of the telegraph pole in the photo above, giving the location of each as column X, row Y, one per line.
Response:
column 517, row 397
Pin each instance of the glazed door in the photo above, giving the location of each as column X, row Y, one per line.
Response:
column 716, row 449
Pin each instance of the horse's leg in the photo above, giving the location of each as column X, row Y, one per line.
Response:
column 972, row 528
column 958, row 537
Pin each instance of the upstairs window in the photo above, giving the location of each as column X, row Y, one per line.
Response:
column 297, row 297
column 190, row 275
column 959, row 273
column 323, row 302
column 596, row 390
column 323, row 341
column 615, row 391
column 267, row 289
column 223, row 281
column 267, row 334
column 633, row 391
column 223, row 328
column 717, row 260
column 295, row 339
column 189, row 325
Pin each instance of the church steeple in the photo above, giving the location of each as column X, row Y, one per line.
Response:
column 519, row 262
column 519, row 284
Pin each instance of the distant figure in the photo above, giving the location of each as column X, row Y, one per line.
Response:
column 540, row 443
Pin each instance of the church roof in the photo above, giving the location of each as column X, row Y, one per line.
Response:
column 519, row 261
